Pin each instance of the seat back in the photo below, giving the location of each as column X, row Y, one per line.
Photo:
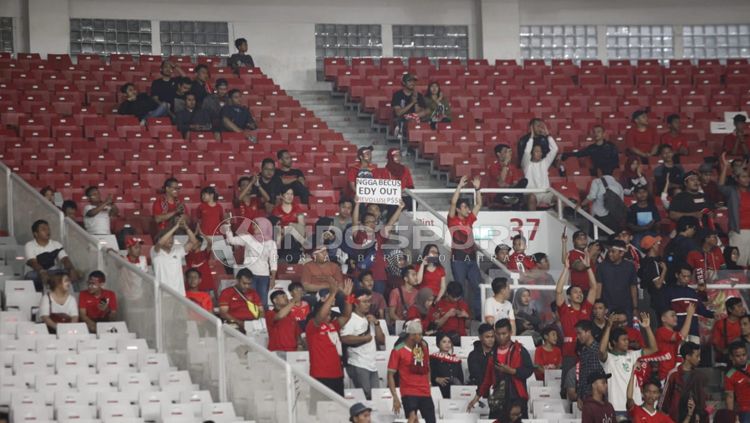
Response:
column 72, row 331
column 21, row 295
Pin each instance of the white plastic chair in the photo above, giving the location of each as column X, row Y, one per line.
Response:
column 21, row 399
column 31, row 330
column 49, row 385
column 90, row 385
column 196, row 399
column 29, row 413
column 299, row 360
column 355, row 395
column 553, row 378
column 11, row 384
column 175, row 379
column 153, row 364
column 451, row 407
column 177, row 412
column 69, row 398
column 113, row 330
column 151, row 403
column 466, row 392
column 132, row 348
column 9, row 320
column 219, row 412
column 50, row 347
column 134, row 382
column 113, row 412
column 110, row 365
column 88, row 349
column 73, row 331
column 541, row 406
column 74, row 412
column 22, row 296
column 29, row 365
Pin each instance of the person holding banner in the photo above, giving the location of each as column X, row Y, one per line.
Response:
column 364, row 168
column 464, row 265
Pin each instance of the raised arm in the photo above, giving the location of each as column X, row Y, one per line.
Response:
column 559, row 291
column 325, row 310
column 477, row 182
column 456, row 195
column 161, row 242
column 685, row 330
column 629, row 403
column 526, row 157
column 605, row 338
column 593, row 291
column 550, row 157
column 724, row 169
column 192, row 240
column 650, row 338
column 394, row 219
column 347, row 312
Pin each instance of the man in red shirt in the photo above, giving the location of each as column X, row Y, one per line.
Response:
column 364, row 168
column 323, row 340
column 505, row 174
column 240, row 303
column 648, row 413
column 411, row 360
column 165, row 209
column 642, row 140
column 578, row 259
column 737, row 143
column 674, row 138
column 548, row 355
column 519, row 261
column 728, row 330
column 737, row 382
column 193, row 281
column 464, row 265
column 284, row 333
column 668, row 339
column 456, row 310
column 707, row 261
column 96, row 304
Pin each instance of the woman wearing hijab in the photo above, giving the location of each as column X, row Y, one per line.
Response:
column 445, row 366
column 422, row 310
column 528, row 319
column 398, row 172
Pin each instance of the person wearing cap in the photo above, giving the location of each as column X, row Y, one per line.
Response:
column 167, row 256
column 643, row 216
column 737, row 143
column 360, row 413
column 603, row 153
column 692, row 201
column 323, row 340
column 680, row 295
column 362, row 334
column 668, row 172
column 596, row 408
column 617, row 280
column 410, row 359
column 97, row 213
column 408, row 104
column 675, row 138
column 685, row 384
column 461, row 219
column 96, row 304
column 535, row 162
column 599, row 187
column 577, row 258
column 284, row 333
column 133, row 246
column 363, row 168
column 738, row 205
column 653, row 271
column 707, row 261
column 641, row 140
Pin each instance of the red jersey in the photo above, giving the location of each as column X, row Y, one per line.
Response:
column 744, row 210
column 496, row 169
column 432, row 279
column 300, row 311
column 365, row 240
column 238, row 303
column 730, row 140
column 201, row 298
column 643, row 141
column 520, row 262
column 161, row 206
column 286, row 219
column 90, row 303
column 210, row 218
column 462, row 235
column 406, row 179
column 579, row 279
column 668, row 341
column 357, row 171
column 739, row 384
column 677, row 142
column 635, row 337
column 724, row 332
column 199, row 260
column 702, row 262
column 455, row 323
column 324, row 345
column 253, row 210
column 568, row 319
column 282, row 333
column 413, row 369
column 638, row 414
column 414, row 313
column 544, row 358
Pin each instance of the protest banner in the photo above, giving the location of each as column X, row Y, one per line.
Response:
column 379, row 191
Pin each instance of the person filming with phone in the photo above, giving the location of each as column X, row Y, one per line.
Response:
column 96, row 304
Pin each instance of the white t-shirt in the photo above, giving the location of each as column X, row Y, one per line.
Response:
column 32, row 249
column 260, row 257
column 621, row 367
column 362, row 356
column 70, row 307
column 130, row 281
column 168, row 267
column 99, row 224
column 498, row 310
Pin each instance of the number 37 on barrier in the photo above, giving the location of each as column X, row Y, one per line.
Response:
column 526, row 227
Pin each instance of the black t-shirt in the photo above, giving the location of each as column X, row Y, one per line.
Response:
column 401, row 99
column 272, row 187
column 199, row 90
column 604, row 157
column 184, row 119
column 238, row 60
column 639, row 216
column 239, row 115
column 687, row 202
column 165, row 90
column 138, row 107
column 288, row 176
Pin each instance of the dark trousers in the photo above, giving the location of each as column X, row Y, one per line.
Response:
column 424, row 405
column 335, row 384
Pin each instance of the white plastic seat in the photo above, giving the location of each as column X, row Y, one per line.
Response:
column 20, row 399
column 21, row 295
column 151, row 403
column 110, row 365
column 11, row 384
column 132, row 348
column 196, row 399
column 553, row 378
column 219, row 412
column 299, row 360
column 113, row 412
column 134, row 382
column 29, row 365
column 543, row 392
column 450, row 407
column 112, row 330
column 91, row 384
column 73, row 331
column 32, row 330
column 153, row 364
column 50, row 347
column 49, row 385
column 79, row 421
column 68, row 398
column 74, row 412
column 9, row 320
column 70, row 365
column 355, row 394
column 117, row 419
column 177, row 412
column 88, row 349
column 466, row 392
column 178, row 379
column 113, row 399
column 540, row 406
column 29, row 413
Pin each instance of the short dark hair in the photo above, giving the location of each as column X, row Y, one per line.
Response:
column 519, row 236
column 233, row 91
column 686, row 222
column 585, row 325
column 199, row 67
column 124, row 87
column 687, row 348
column 498, row 284
column 484, row 328
column 454, row 289
column 266, row 161
column 683, row 266
column 89, row 189
column 365, row 273
column 344, row 200
column 736, row 345
column 462, row 201
column 535, row 120
column 69, row 204
column 732, row 302
column 500, row 147
column 276, row 293
column 616, row 334
column 238, row 42
column 98, row 274
column 671, row 118
column 546, row 330
column 651, row 381
column 405, row 270
column 503, row 323
column 601, row 301
column 183, row 80
column 35, row 226
column 663, row 147
column 243, row 179
column 281, row 153
column 294, row 285
column 210, row 190
column 569, row 290
column 169, row 182
column 221, row 81
column 193, row 270
column 245, row 273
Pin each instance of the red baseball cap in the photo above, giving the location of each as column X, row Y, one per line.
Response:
column 132, row 240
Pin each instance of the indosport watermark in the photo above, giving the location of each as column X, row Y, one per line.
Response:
column 239, row 242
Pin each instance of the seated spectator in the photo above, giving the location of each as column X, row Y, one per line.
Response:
column 167, row 256
column 260, row 254
column 194, row 293
column 408, row 105
column 668, row 339
column 235, row 116
column 96, row 304
column 320, row 273
column 96, row 214
column 685, row 384
column 362, row 334
column 445, row 365
column 284, row 333
column 191, row 118
column 300, row 308
column 403, row 297
column 423, row 311
column 737, row 143
column 675, row 138
column 179, row 101
column 498, row 307
column 679, row 296
column 738, row 204
column 168, row 209
column 70, row 209
column 451, row 313
column 641, row 140
column 528, row 318
column 692, row 201
column 707, row 261
column 505, row 174
column 48, row 193
column 535, row 164
column 682, row 244
column 268, row 187
column 519, row 261
column 653, row 272
column 603, row 153
column 480, row 356
column 536, row 135
column 430, row 272
column 617, row 280
column 199, row 257
column 290, row 177
column 241, row 59
column 668, row 172
column 376, row 300
column 45, row 256
column 633, row 177
column 736, row 382
column 728, row 329
column 163, row 89
column 539, row 275
column 643, row 216
column 502, row 254
column 240, row 303
column 58, row 304
column 140, row 105
column 363, row 168
column 215, row 101
column 548, row 356
column 201, row 86
column 613, row 218
column 709, row 185
column 437, row 105
column 292, row 224
column 731, row 256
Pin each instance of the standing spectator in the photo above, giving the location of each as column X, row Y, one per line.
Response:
column 236, row 117
column 201, row 85
column 167, row 209
column 684, row 384
column 399, row 172
column 437, row 105
column 209, row 213
column 612, row 218
column 290, row 177
column 537, row 135
column 641, row 140
column 292, row 222
column 618, row 281
column 58, row 304
column 284, row 333
column 410, row 360
column 323, row 339
column 164, row 88
column 589, row 364
column 96, row 214
column 133, row 246
column 480, row 356
column 423, row 311
column 596, row 408
column 737, row 143
column 519, row 261
column 707, row 261
column 681, row 245
column 200, row 258
column 653, row 272
column 240, row 303
column 377, row 301
column 44, row 256
column 577, row 257
column 680, row 296
column 191, row 118
column 167, row 256
column 633, row 176
column 194, row 294
column 498, row 307
column 675, row 138
column 140, row 105
column 404, row 296
column 408, row 104
column 599, row 315
column 632, row 253
column 451, row 312
column 548, row 355
column 728, row 330
column 96, row 304
column 535, row 164
column 464, row 266
column 343, row 218
column 737, row 382
column 445, row 365
column 260, row 255
column 320, row 272
column 70, row 209
column 668, row 339
column 648, row 412
column 300, row 307
column 738, row 203
column 241, row 59
column 511, row 366
column 603, row 153
column 251, row 197
column 363, row 168
column 362, row 334
column 430, row 273
column 503, row 173
column 669, row 173
column 643, row 216
column 528, row 317
column 690, row 202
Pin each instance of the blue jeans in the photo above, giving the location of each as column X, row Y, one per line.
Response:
column 261, row 285
column 466, row 272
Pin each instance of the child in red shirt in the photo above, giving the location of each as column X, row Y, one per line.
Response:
column 451, row 312
column 519, row 261
column 198, row 258
column 209, row 213
column 549, row 355
column 193, row 293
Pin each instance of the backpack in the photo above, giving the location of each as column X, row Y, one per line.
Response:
column 614, row 204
